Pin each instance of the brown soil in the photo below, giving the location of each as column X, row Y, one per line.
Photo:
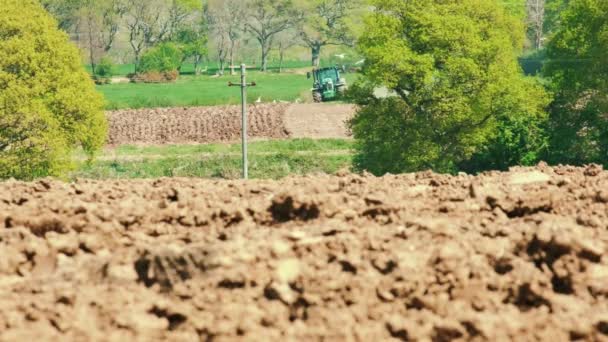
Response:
column 194, row 125
column 318, row 121
column 501, row 256
column 223, row 123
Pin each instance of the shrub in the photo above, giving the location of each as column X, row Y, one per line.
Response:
column 166, row 57
column 105, row 68
column 49, row 105
column 156, row 77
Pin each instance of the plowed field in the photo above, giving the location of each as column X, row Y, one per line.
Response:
column 519, row 255
column 223, row 123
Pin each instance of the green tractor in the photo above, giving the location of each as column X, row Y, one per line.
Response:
column 328, row 85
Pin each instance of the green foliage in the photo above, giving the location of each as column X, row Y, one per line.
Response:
column 516, row 8
column 105, row 68
column 579, row 79
column 64, row 11
column 192, row 42
column 453, row 67
column 553, row 12
column 48, row 102
column 164, row 57
column 520, row 138
column 328, row 22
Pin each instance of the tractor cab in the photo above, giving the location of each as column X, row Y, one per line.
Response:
column 327, row 85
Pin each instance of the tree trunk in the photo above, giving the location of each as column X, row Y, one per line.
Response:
column 136, row 62
column 221, row 71
column 281, row 53
column 539, row 40
column 231, row 64
column 231, row 57
column 91, row 43
column 316, row 54
column 197, row 65
column 265, row 53
column 92, row 58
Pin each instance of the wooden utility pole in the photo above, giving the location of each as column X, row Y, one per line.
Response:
column 244, row 86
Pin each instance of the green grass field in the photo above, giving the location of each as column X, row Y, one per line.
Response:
column 205, row 90
column 268, row 160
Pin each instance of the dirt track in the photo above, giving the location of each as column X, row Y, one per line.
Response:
column 518, row 256
column 318, row 121
column 223, row 123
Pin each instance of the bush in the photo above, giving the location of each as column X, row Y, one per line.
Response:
column 166, row 57
column 49, row 104
column 156, row 77
column 105, row 68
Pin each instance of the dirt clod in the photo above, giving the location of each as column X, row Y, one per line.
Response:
column 519, row 255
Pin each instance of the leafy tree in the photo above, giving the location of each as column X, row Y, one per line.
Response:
column 99, row 20
column 65, row 11
column 579, row 78
column 192, row 42
column 152, row 22
column 227, row 20
column 328, row 22
column 48, row 104
column 164, row 57
column 520, row 138
column 553, row 10
column 269, row 18
column 452, row 65
column 516, row 8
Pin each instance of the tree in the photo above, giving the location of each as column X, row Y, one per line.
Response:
column 164, row 57
column 536, row 22
column 285, row 41
column 193, row 44
column 151, row 22
column 516, row 8
column 452, row 65
column 64, row 11
column 180, row 13
column 520, row 138
column 227, row 20
column 48, row 103
column 327, row 23
column 553, row 10
column 100, row 20
column 143, row 20
column 579, row 79
column 269, row 18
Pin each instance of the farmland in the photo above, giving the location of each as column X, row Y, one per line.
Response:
column 453, row 198
column 500, row 256
column 207, row 90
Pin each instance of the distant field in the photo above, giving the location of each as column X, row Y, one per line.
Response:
column 268, row 160
column 207, row 89
column 192, row 90
column 203, row 90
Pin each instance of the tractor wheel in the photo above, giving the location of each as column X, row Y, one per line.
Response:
column 317, row 96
